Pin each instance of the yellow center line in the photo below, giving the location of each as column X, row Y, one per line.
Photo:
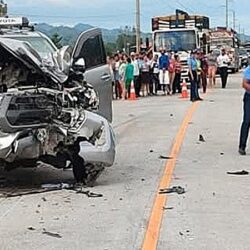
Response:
column 154, row 225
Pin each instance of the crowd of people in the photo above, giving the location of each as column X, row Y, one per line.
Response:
column 150, row 74
column 154, row 74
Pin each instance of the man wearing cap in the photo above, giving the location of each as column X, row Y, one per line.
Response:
column 193, row 76
column 223, row 62
column 246, row 116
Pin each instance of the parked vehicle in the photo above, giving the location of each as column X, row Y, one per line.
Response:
column 244, row 57
column 221, row 37
column 55, row 105
column 182, row 33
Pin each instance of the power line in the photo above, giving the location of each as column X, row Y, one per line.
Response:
column 68, row 17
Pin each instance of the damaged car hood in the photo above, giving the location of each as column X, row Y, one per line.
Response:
column 25, row 53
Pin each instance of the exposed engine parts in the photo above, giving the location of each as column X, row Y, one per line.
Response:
column 47, row 116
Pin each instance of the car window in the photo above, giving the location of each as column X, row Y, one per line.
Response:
column 93, row 52
column 40, row 44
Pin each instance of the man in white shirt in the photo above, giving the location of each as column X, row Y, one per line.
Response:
column 134, row 59
column 223, row 61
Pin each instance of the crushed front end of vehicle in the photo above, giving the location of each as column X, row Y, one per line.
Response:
column 48, row 116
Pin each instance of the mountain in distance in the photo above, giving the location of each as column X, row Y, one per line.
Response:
column 70, row 34
column 244, row 37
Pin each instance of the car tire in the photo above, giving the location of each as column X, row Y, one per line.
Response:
column 78, row 163
column 78, row 168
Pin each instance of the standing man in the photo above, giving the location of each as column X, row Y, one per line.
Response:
column 163, row 65
column 246, row 116
column 155, row 76
column 116, row 66
column 135, row 63
column 223, row 62
column 193, row 76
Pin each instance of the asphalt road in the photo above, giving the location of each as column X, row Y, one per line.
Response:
column 212, row 214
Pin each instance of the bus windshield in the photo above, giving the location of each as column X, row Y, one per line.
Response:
column 181, row 40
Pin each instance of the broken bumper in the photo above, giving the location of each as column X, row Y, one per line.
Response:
column 103, row 152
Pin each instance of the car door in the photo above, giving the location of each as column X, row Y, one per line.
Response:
column 90, row 47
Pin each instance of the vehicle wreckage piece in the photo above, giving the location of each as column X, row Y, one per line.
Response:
column 47, row 116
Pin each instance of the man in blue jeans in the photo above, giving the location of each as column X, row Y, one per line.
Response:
column 246, row 116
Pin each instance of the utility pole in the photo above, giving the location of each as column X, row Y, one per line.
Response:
column 227, row 14
column 138, row 27
column 233, row 19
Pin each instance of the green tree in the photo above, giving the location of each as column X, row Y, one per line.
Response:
column 110, row 48
column 57, row 39
column 126, row 39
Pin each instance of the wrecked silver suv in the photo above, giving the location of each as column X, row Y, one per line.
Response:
column 48, row 112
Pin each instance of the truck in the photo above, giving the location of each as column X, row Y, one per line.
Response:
column 228, row 39
column 55, row 103
column 181, row 33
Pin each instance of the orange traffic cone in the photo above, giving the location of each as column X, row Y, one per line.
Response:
column 132, row 92
column 184, row 91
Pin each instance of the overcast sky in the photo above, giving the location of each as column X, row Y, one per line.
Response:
column 118, row 13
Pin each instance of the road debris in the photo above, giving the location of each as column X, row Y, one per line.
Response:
column 175, row 189
column 57, row 186
column 56, row 235
column 243, row 172
column 89, row 194
column 221, row 153
column 165, row 157
column 167, row 208
column 44, row 199
column 151, row 151
column 31, row 228
column 201, row 138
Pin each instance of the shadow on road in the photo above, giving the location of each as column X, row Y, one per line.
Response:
column 25, row 181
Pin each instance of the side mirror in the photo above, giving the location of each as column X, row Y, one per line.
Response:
column 80, row 65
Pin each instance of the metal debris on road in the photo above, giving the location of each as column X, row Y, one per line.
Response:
column 243, row 172
column 175, row 189
column 56, row 235
column 89, row 194
column 201, row 138
column 165, row 157
column 57, row 186
column 167, row 208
